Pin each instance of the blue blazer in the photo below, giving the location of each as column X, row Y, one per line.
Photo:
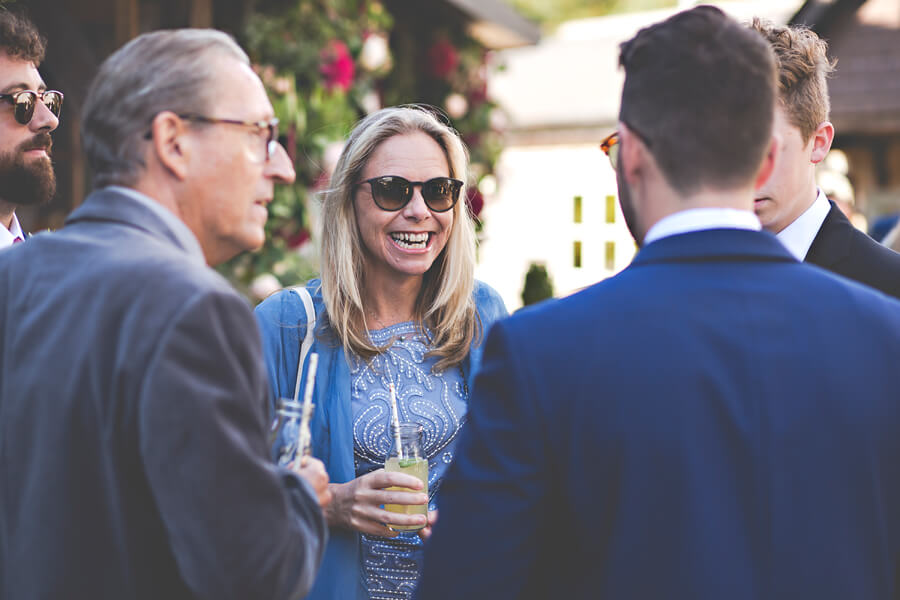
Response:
column 717, row 421
column 282, row 320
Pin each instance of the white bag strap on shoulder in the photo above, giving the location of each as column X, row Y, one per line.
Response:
column 301, row 291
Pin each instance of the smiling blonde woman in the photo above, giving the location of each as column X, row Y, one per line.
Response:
column 397, row 304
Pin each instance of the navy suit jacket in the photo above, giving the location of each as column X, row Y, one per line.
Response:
column 133, row 453
column 842, row 248
column 717, row 421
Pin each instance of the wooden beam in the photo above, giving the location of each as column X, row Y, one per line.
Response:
column 201, row 13
column 127, row 22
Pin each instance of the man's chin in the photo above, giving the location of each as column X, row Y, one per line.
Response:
column 28, row 182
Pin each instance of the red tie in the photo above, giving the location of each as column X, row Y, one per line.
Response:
column 17, row 240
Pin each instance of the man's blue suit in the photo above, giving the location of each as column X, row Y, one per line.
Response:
column 718, row 421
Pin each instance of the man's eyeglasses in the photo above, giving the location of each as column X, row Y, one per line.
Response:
column 25, row 101
column 270, row 127
column 392, row 193
column 610, row 147
column 610, row 144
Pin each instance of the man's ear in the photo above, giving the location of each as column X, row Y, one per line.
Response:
column 169, row 141
column 632, row 154
column 768, row 164
column 821, row 142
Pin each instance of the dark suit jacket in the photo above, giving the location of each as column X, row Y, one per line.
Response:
column 133, row 451
column 842, row 248
column 694, row 427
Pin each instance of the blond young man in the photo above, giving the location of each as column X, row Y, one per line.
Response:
column 790, row 205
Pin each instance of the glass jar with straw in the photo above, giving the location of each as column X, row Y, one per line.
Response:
column 406, row 456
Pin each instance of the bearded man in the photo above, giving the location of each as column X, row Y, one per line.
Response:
column 29, row 112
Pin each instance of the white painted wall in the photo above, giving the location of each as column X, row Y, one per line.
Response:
column 531, row 219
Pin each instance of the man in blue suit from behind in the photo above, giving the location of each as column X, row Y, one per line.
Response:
column 690, row 428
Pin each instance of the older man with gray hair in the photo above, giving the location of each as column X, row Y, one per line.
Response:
column 133, row 453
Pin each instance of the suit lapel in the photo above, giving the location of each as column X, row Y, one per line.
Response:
column 832, row 242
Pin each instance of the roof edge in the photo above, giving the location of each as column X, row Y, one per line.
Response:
column 496, row 15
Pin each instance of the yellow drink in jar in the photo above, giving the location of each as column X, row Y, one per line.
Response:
column 417, row 467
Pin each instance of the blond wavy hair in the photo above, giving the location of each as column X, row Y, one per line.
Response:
column 803, row 70
column 444, row 305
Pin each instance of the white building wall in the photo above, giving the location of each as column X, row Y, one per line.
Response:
column 531, row 219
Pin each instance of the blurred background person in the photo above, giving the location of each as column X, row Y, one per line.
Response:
column 397, row 303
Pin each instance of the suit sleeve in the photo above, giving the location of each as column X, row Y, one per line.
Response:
column 239, row 526
column 486, row 541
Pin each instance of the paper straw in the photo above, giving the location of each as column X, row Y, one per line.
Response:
column 310, row 379
column 396, row 420
column 304, row 443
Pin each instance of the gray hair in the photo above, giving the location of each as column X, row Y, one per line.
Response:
column 155, row 72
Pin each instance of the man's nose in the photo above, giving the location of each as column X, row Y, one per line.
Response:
column 279, row 166
column 43, row 118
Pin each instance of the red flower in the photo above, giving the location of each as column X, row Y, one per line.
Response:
column 475, row 201
column 337, row 66
column 299, row 238
column 442, row 58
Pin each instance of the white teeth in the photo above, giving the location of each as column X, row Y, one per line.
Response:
column 410, row 240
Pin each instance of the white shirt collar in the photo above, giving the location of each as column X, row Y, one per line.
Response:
column 699, row 219
column 799, row 235
column 8, row 235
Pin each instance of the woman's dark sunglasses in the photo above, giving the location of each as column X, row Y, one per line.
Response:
column 392, row 193
column 25, row 101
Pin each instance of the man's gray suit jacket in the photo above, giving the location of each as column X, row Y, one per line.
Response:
column 133, row 446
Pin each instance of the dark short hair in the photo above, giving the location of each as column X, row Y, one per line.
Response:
column 700, row 89
column 19, row 38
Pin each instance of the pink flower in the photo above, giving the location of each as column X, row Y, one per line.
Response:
column 337, row 66
column 442, row 58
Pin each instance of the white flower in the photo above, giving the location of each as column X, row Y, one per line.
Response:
column 375, row 53
column 371, row 102
column 457, row 106
column 487, row 185
column 264, row 285
column 281, row 85
column 498, row 119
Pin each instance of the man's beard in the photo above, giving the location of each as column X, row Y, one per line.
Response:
column 628, row 211
column 26, row 183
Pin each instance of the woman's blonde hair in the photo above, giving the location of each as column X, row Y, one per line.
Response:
column 444, row 305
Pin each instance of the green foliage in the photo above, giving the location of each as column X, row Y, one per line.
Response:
column 538, row 285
